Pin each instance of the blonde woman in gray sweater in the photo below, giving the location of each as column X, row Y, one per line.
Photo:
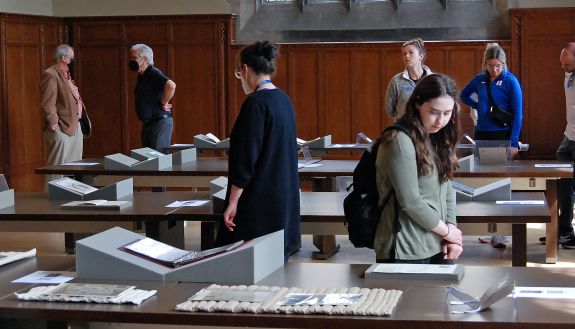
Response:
column 417, row 224
column 401, row 85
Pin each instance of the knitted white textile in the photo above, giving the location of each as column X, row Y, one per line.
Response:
column 374, row 302
column 134, row 296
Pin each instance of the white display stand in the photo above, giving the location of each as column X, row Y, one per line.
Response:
column 145, row 153
column 320, row 142
column 218, row 184
column 6, row 194
column 184, row 156
column 120, row 161
column 415, row 271
column 113, row 192
column 492, row 151
column 218, row 200
column 99, row 257
column 498, row 190
column 203, row 141
column 466, row 164
column 6, row 199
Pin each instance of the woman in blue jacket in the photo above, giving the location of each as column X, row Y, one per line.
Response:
column 506, row 93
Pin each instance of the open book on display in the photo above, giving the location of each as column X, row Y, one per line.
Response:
column 74, row 185
column 170, row 256
column 500, row 189
column 96, row 205
column 12, row 256
column 90, row 290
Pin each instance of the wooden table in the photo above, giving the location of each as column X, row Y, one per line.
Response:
column 421, row 306
column 18, row 269
column 525, row 176
column 320, row 208
column 523, row 173
column 33, row 212
column 192, row 174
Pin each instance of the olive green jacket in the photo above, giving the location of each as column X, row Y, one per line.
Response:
column 423, row 202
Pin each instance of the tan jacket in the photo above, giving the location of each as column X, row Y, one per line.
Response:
column 58, row 102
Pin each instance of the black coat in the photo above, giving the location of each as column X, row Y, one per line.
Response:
column 263, row 161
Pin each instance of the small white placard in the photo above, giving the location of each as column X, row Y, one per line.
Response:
column 312, row 165
column 46, row 277
column 415, row 268
column 545, row 292
column 80, row 164
column 521, row 202
column 189, row 203
column 553, row 165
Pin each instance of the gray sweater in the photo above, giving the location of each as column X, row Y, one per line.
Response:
column 398, row 92
column 423, row 202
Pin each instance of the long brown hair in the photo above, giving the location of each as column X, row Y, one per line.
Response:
column 431, row 149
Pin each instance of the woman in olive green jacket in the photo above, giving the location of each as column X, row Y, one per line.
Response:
column 417, row 224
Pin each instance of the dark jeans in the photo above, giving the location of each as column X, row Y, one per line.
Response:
column 566, row 189
column 157, row 134
column 501, row 135
column 435, row 259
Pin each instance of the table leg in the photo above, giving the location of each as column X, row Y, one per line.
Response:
column 551, row 227
column 325, row 243
column 327, row 246
column 519, row 251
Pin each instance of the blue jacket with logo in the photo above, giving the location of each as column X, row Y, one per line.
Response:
column 506, row 93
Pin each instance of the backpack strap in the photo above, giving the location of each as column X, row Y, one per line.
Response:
column 396, row 208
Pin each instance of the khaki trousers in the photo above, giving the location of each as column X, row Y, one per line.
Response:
column 61, row 148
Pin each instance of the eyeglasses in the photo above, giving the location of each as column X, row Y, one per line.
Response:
column 570, row 81
column 238, row 74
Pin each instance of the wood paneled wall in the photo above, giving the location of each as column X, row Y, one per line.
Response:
column 339, row 89
column 537, row 39
column 26, row 46
column 191, row 50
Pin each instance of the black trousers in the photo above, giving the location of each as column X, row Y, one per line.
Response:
column 566, row 189
column 157, row 134
column 492, row 135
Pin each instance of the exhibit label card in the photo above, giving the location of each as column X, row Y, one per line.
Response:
column 46, row 277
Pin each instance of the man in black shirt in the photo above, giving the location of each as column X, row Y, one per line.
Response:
column 153, row 93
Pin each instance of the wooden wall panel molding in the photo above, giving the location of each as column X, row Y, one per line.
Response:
column 539, row 34
column 192, row 50
column 27, row 43
column 339, row 89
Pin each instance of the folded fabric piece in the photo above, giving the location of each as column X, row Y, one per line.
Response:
column 374, row 302
column 41, row 293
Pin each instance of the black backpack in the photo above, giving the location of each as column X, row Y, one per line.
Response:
column 360, row 206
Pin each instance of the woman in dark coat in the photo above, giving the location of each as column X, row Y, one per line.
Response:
column 263, row 186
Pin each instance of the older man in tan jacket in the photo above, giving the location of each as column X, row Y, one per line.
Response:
column 62, row 107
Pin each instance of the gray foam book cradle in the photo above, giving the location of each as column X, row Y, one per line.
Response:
column 203, row 141
column 119, row 161
column 99, row 257
column 6, row 194
column 113, row 192
column 320, row 142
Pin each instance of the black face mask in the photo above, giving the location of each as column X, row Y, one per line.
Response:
column 72, row 62
column 133, row 65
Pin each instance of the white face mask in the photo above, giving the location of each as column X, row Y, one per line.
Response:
column 245, row 86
